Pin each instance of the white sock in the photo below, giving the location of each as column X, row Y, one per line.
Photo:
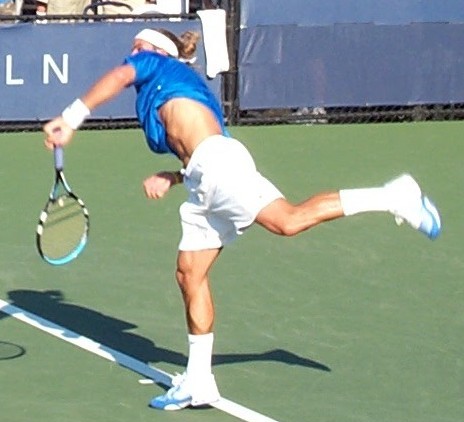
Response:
column 355, row 201
column 200, row 354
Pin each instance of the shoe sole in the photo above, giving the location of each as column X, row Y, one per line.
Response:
column 432, row 210
column 171, row 406
column 429, row 207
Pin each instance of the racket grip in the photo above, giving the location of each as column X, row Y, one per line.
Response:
column 58, row 153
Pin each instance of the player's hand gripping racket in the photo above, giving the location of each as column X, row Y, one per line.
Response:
column 63, row 225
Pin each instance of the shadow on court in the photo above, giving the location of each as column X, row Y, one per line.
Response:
column 10, row 350
column 112, row 332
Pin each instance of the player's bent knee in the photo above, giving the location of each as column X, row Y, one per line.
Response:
column 181, row 278
column 281, row 218
column 187, row 280
column 282, row 226
column 288, row 230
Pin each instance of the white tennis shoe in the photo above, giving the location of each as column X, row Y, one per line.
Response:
column 408, row 204
column 187, row 392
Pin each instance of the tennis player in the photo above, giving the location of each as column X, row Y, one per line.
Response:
column 226, row 194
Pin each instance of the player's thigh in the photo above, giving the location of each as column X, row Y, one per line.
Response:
column 193, row 266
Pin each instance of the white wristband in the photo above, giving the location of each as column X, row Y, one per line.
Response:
column 75, row 114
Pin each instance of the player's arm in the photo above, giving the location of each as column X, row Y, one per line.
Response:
column 157, row 185
column 109, row 86
column 60, row 130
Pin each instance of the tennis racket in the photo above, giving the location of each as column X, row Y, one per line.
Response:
column 63, row 226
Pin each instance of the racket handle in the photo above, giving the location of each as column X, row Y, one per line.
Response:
column 58, row 153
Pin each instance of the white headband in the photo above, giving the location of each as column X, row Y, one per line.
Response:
column 158, row 40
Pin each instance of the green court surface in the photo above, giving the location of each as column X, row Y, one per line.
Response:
column 356, row 320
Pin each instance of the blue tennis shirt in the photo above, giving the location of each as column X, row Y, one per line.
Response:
column 158, row 79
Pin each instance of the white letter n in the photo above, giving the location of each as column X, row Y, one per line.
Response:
column 49, row 63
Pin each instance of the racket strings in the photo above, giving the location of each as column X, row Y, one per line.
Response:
column 64, row 227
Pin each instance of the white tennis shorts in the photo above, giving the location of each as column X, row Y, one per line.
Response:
column 225, row 194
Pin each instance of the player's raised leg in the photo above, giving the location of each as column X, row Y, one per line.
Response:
column 402, row 197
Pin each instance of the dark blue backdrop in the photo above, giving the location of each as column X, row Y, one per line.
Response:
column 350, row 53
column 327, row 12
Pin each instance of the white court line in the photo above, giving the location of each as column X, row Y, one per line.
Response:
column 157, row 375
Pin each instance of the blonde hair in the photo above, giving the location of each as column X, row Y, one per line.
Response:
column 186, row 43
